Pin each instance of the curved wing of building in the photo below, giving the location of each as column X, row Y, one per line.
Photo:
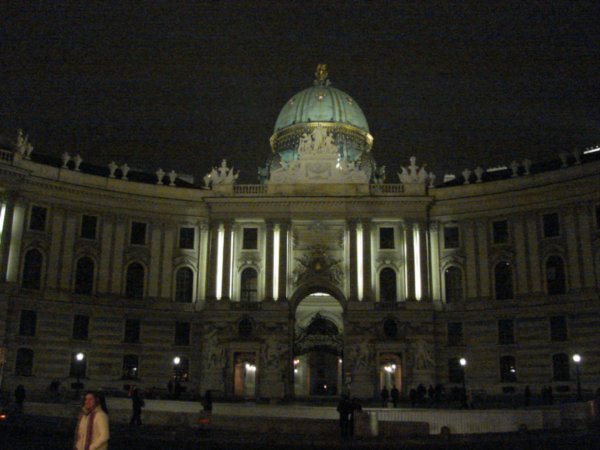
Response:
column 323, row 278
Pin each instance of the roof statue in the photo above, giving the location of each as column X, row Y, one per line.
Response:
column 321, row 75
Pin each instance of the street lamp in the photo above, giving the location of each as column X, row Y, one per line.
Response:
column 577, row 361
column 463, row 365
column 176, row 363
column 79, row 358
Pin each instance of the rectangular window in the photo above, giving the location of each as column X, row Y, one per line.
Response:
column 37, row 220
column 130, row 367
column 186, row 237
column 27, row 323
column 138, row 233
column 500, row 232
column 455, row 333
column 81, row 325
column 132, row 331
column 386, row 238
column 551, row 225
column 89, row 225
column 558, row 328
column 451, row 236
column 506, row 331
column 182, row 333
column 250, row 239
column 455, row 371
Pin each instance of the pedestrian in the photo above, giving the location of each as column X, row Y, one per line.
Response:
column 20, row 397
column 207, row 404
column 413, row 397
column 527, row 395
column 137, row 403
column 431, row 394
column 384, row 396
column 170, row 387
column 344, row 409
column 395, row 396
column 421, row 391
column 92, row 432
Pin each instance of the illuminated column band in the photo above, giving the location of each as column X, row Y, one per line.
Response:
column 359, row 261
column 220, row 242
column 276, row 244
column 417, row 259
column 15, row 244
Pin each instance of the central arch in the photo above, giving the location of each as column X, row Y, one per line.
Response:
column 318, row 340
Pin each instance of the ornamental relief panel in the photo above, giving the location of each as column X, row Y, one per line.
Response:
column 317, row 233
column 141, row 254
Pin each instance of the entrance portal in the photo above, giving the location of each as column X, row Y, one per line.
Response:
column 318, row 346
column 390, row 371
column 244, row 374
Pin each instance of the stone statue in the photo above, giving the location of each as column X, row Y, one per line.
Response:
column 423, row 355
column 413, row 175
column 361, row 355
column 215, row 354
column 221, row 175
column 321, row 74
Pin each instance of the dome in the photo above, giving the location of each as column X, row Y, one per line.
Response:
column 321, row 103
column 324, row 106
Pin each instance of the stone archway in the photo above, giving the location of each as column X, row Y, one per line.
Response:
column 318, row 341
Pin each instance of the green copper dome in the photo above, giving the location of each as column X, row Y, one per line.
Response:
column 321, row 103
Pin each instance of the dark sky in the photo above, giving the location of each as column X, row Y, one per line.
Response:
column 181, row 85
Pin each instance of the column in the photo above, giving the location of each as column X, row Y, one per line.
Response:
column 284, row 242
column 7, row 223
column 409, row 258
column 367, row 262
column 424, row 260
column 169, row 235
column 434, row 257
column 482, row 228
column 155, row 260
column 14, row 245
column 70, row 231
column 269, row 262
column 521, row 256
column 534, row 255
column 106, row 240
column 227, row 259
column 211, row 284
column 586, row 222
column 573, row 267
column 468, row 233
column 117, row 257
column 54, row 262
column 352, row 260
column 203, row 264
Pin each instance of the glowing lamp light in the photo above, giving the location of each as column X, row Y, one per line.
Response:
column 176, row 360
column 79, row 356
column 463, row 362
column 250, row 367
column 576, row 358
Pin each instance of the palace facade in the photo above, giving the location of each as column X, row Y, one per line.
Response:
column 323, row 277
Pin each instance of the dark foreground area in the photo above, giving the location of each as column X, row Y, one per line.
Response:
column 50, row 434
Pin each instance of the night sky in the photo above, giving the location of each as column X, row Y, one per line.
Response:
column 182, row 85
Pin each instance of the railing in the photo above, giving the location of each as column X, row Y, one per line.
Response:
column 246, row 306
column 389, row 189
column 6, row 155
column 251, row 189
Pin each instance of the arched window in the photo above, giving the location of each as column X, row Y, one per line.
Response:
column 387, row 285
column 560, row 367
column 453, row 284
column 508, row 369
column 245, row 327
column 249, row 288
column 32, row 270
column 555, row 275
column 134, row 287
column 503, row 281
column 84, row 276
column 184, row 285
column 24, row 362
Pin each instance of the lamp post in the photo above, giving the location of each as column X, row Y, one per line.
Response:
column 463, row 365
column 577, row 361
column 79, row 358
column 176, row 362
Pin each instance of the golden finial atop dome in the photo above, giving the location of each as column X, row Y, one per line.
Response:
column 321, row 75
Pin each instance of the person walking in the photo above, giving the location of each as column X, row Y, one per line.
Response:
column 137, row 403
column 395, row 396
column 207, row 404
column 384, row 397
column 92, row 432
